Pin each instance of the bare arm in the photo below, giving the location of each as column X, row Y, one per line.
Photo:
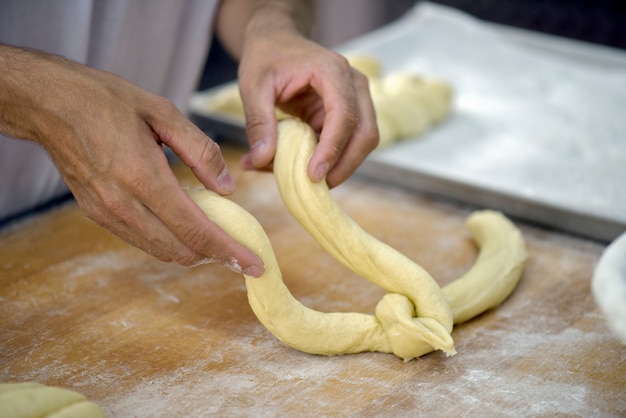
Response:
column 235, row 15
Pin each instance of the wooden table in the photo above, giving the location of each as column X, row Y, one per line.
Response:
column 81, row 309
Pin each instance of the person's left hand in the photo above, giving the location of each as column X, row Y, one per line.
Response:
column 282, row 68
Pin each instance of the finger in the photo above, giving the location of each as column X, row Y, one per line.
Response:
column 126, row 217
column 166, row 199
column 364, row 139
column 190, row 241
column 141, row 228
column 173, row 206
column 246, row 164
column 197, row 232
column 341, row 119
column 259, row 109
column 194, row 148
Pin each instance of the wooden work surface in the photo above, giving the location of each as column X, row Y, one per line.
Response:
column 83, row 310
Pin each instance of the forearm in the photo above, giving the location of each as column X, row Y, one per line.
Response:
column 22, row 100
column 238, row 20
column 42, row 94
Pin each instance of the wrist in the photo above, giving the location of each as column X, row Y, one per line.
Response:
column 28, row 92
column 17, row 98
column 287, row 16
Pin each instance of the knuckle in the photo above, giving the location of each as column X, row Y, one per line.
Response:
column 256, row 125
column 254, row 121
column 164, row 105
column 374, row 141
column 351, row 118
column 136, row 181
column 210, row 151
column 342, row 62
column 115, row 206
column 360, row 80
column 195, row 238
column 371, row 136
column 335, row 150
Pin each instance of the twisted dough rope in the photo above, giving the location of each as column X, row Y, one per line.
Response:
column 414, row 318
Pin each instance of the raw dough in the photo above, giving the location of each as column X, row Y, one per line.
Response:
column 414, row 318
column 369, row 66
column 407, row 105
column 29, row 399
column 227, row 101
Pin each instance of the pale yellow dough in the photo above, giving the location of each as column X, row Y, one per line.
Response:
column 414, row 318
column 369, row 66
column 29, row 399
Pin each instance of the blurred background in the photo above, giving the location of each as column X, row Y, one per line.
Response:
column 598, row 21
column 601, row 22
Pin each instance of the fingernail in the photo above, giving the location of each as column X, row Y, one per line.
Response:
column 320, row 171
column 253, row 270
column 257, row 149
column 226, row 181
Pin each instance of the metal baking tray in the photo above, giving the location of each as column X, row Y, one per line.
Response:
column 538, row 130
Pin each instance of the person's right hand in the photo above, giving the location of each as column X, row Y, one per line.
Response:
column 105, row 136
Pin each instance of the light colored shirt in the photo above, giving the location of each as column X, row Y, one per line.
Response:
column 159, row 45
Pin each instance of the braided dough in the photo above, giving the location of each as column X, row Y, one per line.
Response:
column 414, row 318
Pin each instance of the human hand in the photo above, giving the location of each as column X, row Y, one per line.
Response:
column 282, row 68
column 105, row 136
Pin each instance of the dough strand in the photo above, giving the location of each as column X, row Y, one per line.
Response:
column 414, row 318
column 31, row 399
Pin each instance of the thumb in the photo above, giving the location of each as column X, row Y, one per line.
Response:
column 260, row 112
